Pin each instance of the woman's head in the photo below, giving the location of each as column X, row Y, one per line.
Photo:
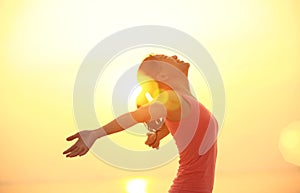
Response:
column 173, row 61
column 167, row 72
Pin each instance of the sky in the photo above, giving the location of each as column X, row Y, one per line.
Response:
column 255, row 45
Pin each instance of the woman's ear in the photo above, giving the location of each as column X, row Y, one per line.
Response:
column 162, row 76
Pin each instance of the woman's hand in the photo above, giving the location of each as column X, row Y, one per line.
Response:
column 85, row 141
column 152, row 140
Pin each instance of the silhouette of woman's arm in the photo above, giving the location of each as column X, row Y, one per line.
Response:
column 87, row 138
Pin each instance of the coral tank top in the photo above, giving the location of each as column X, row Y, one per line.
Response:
column 195, row 136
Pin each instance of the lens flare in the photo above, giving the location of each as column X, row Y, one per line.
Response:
column 289, row 143
column 149, row 91
column 148, row 96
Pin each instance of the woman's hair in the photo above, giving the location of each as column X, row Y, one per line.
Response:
column 169, row 70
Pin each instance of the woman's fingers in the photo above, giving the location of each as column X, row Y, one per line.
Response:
column 73, row 137
column 151, row 138
column 75, row 152
column 156, row 144
column 73, row 147
column 147, row 142
column 83, row 152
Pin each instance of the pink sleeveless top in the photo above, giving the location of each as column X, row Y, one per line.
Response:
column 196, row 139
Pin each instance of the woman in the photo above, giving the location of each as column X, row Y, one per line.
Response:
column 192, row 126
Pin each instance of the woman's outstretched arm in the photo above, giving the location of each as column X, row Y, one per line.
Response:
column 87, row 138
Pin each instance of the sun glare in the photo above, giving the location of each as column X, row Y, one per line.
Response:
column 289, row 143
column 149, row 97
column 132, row 99
column 136, row 186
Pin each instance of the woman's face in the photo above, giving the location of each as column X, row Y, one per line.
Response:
column 174, row 61
column 163, row 71
column 149, row 76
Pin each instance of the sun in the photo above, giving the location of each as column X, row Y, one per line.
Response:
column 136, row 186
column 289, row 143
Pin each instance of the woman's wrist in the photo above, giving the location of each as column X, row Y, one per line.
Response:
column 158, row 134
column 100, row 132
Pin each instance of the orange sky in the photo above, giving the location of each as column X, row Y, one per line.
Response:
column 255, row 44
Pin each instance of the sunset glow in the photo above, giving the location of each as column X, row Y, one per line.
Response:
column 136, row 186
column 255, row 44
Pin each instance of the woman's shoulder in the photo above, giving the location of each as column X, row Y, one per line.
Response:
column 168, row 96
column 175, row 97
column 174, row 101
